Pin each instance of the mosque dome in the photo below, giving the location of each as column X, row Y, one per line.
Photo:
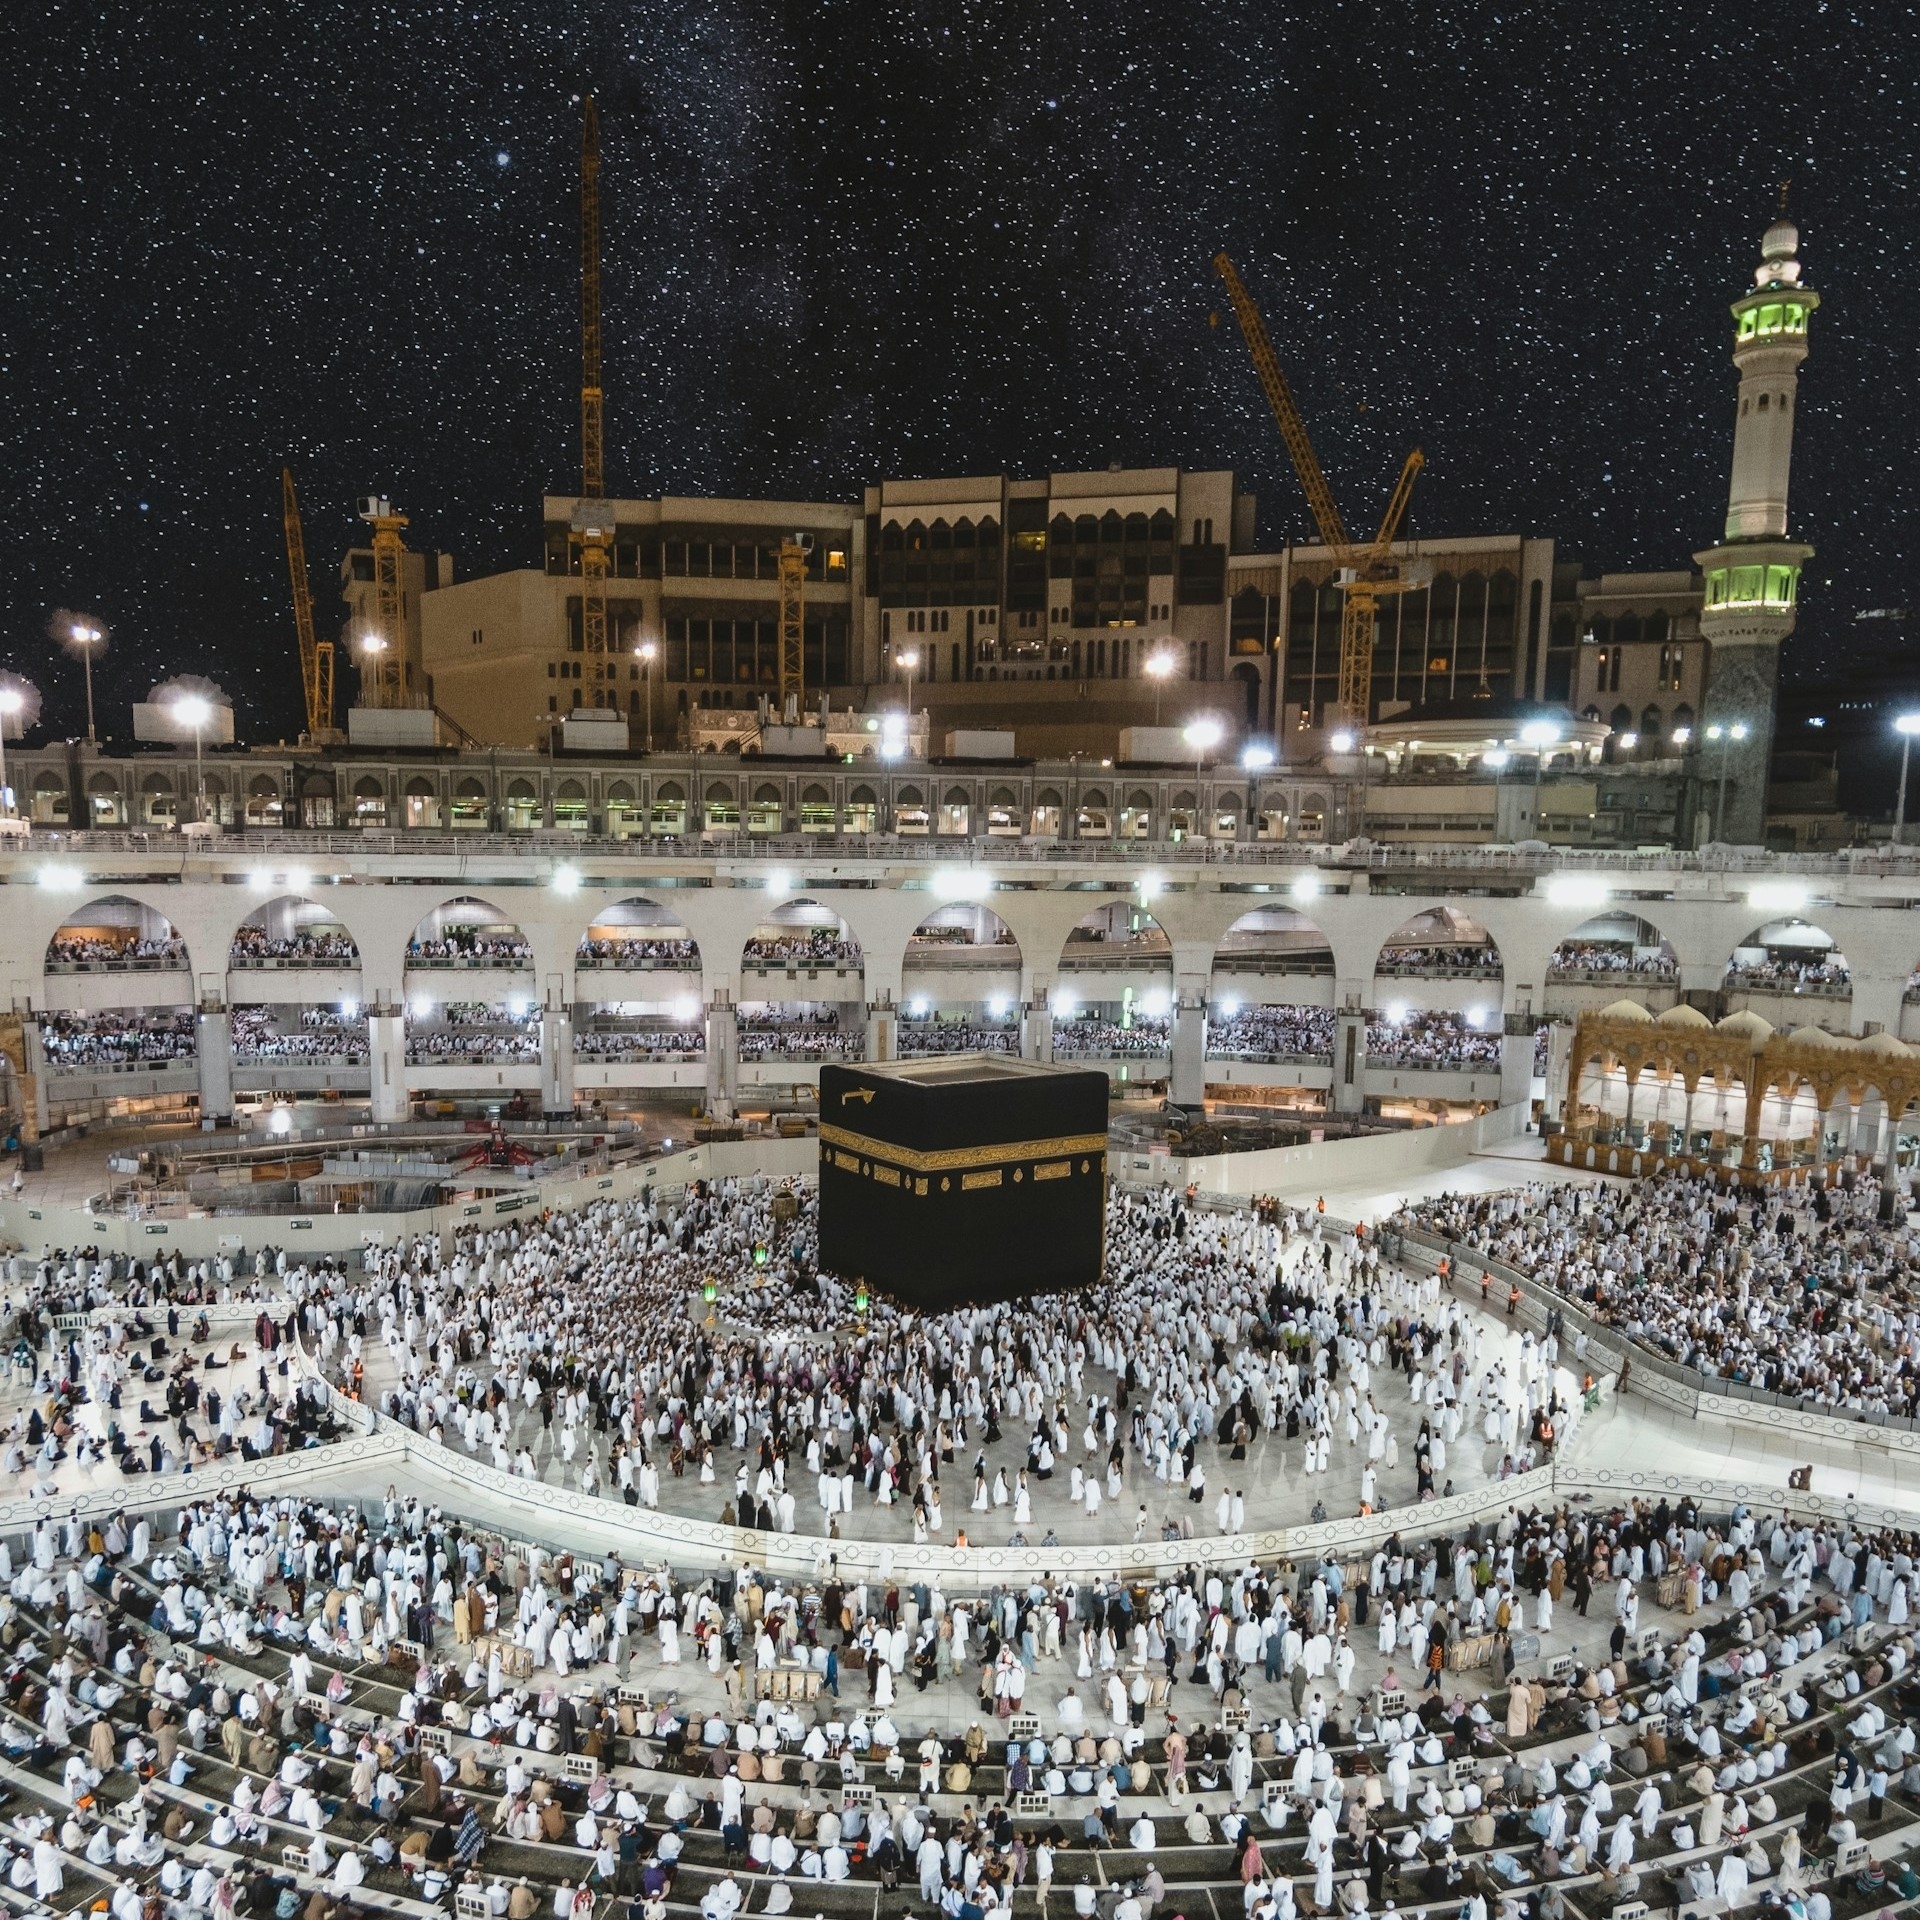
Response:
column 1683, row 1016
column 1778, row 247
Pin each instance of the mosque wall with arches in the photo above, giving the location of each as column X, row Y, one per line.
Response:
column 712, row 974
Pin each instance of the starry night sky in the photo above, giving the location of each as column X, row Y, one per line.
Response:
column 852, row 239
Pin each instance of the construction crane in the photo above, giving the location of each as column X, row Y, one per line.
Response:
column 593, row 517
column 793, row 624
column 316, row 656
column 1367, row 573
column 383, row 663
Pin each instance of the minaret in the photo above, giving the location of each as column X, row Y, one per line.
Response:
column 1753, row 576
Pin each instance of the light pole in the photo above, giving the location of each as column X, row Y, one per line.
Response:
column 1539, row 735
column 909, row 658
column 1159, row 667
column 1906, row 727
column 1725, row 737
column 86, row 637
column 1255, row 760
column 1202, row 735
column 11, row 701
column 1496, row 758
column 644, row 653
column 191, row 710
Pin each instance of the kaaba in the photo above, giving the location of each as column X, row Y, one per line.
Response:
column 969, row 1178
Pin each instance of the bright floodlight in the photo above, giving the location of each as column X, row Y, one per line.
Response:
column 645, row 650
column 11, row 699
column 919, row 1009
column 1680, row 736
column 1397, row 1013
column 1342, row 742
column 1577, row 890
column 1159, row 665
column 1541, row 733
column 1715, row 731
column 1738, row 731
column 908, row 657
column 191, row 709
column 779, row 881
column 1306, row 886
column 1908, row 723
column 1496, row 758
column 566, row 880
column 999, row 1006
column 1150, row 886
column 348, row 1008
column 1228, row 1008
column 1202, row 734
column 1256, row 757
column 1628, row 741
column 372, row 643
column 61, row 879
column 281, row 1120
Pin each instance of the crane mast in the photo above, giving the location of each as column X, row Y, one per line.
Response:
column 1367, row 574
column 593, row 520
column 793, row 625
column 316, row 656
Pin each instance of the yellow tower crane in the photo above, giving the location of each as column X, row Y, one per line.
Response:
column 316, row 656
column 593, row 516
column 383, row 664
column 1367, row 573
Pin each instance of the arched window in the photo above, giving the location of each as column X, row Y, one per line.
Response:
column 423, row 802
column 369, row 802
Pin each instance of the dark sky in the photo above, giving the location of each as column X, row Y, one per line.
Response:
column 849, row 239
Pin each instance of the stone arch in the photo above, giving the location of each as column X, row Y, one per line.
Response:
column 1792, row 958
column 462, row 927
column 1449, row 937
column 637, row 930
column 1119, row 932
column 287, row 930
column 805, row 930
column 115, row 931
column 1615, row 942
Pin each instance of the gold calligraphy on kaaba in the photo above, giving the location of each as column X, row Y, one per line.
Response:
column 973, row 1182
column 957, row 1159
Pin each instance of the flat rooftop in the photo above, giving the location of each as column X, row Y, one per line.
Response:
column 963, row 1069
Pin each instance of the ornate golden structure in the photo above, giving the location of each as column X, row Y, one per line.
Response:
column 1741, row 1051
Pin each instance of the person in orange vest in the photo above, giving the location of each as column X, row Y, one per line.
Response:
column 359, row 1376
column 1446, row 1273
column 1320, row 1205
column 1513, row 1299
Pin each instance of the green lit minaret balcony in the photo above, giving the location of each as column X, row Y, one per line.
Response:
column 1739, row 589
column 1771, row 319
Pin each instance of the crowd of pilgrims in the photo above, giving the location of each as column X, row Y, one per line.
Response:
column 1271, row 1033
column 578, row 1347
column 1430, row 962
column 806, row 947
column 74, row 1040
column 1573, row 957
column 322, row 1034
column 1794, row 1289
column 1438, row 1040
column 502, row 948
column 229, row 1717
column 311, row 946
column 956, row 1034
column 636, row 1043
column 635, row 950
column 1784, row 974
column 1089, row 1036
column 100, row 950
